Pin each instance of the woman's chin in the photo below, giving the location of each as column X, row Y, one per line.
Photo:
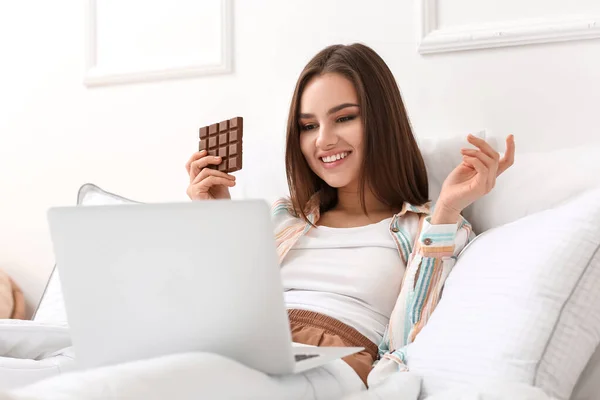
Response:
column 337, row 183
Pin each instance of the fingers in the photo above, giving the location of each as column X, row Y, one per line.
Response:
column 206, row 172
column 487, row 160
column 199, row 164
column 480, row 168
column 210, row 187
column 490, row 164
column 484, row 146
column 509, row 157
column 205, row 184
column 193, row 158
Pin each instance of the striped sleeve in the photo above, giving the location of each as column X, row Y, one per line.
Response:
column 282, row 214
column 431, row 261
column 287, row 226
column 279, row 207
column 437, row 241
column 436, row 252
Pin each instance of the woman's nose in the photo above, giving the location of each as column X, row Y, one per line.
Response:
column 326, row 138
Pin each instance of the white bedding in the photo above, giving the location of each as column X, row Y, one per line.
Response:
column 37, row 362
column 205, row 375
column 192, row 376
column 210, row 376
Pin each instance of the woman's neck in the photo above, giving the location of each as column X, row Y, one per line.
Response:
column 349, row 202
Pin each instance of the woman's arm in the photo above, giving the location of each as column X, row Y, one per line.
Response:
column 440, row 239
column 434, row 254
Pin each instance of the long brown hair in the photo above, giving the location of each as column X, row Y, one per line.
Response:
column 392, row 166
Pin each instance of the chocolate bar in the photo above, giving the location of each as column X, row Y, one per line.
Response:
column 224, row 139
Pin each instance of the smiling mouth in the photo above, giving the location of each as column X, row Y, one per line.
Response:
column 336, row 157
column 335, row 160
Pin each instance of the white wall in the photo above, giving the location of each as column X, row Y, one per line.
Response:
column 56, row 133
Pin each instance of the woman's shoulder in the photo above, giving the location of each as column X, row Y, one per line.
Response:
column 283, row 207
column 283, row 213
column 411, row 217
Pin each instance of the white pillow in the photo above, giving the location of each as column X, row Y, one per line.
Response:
column 31, row 339
column 442, row 155
column 536, row 182
column 522, row 304
column 51, row 308
column 91, row 195
column 588, row 386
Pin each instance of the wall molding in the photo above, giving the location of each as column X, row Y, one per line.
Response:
column 500, row 34
column 96, row 75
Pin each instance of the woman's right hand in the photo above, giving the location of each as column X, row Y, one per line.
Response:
column 207, row 183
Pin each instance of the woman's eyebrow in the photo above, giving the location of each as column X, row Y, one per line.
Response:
column 332, row 110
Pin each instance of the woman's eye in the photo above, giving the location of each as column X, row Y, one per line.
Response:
column 308, row 127
column 346, row 118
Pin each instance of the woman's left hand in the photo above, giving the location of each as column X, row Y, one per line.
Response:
column 475, row 176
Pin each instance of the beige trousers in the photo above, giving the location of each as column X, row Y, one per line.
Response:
column 321, row 330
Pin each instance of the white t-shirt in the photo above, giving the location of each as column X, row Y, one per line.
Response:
column 350, row 274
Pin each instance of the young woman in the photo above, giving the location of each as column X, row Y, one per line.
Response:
column 363, row 254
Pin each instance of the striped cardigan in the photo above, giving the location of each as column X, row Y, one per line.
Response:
column 427, row 251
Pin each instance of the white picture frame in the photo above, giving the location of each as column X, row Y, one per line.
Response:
column 432, row 39
column 97, row 74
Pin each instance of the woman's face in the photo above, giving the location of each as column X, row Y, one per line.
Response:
column 331, row 132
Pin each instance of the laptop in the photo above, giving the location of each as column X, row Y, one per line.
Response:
column 148, row 280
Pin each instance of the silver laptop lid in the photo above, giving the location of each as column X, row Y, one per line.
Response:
column 145, row 280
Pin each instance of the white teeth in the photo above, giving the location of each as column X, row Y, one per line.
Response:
column 334, row 157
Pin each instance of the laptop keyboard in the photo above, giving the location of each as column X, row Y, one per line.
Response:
column 301, row 357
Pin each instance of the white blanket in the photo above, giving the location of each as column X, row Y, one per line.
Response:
column 205, row 375
column 192, row 376
column 37, row 362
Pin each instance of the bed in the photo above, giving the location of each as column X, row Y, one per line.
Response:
column 525, row 325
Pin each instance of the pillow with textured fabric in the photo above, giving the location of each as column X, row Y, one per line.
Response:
column 572, row 171
column 31, row 339
column 588, row 386
column 90, row 195
column 442, row 155
column 51, row 308
column 521, row 305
